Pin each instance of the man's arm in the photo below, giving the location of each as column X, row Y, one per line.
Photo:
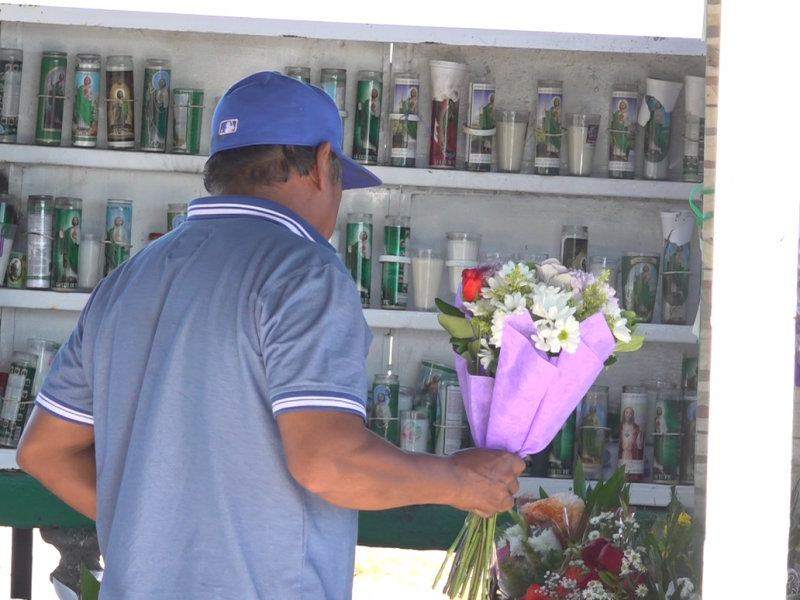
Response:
column 332, row 454
column 60, row 454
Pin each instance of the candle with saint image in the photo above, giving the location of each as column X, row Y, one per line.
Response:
column 512, row 126
column 414, row 430
column 426, row 271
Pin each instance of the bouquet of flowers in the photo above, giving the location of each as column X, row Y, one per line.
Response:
column 529, row 341
column 602, row 552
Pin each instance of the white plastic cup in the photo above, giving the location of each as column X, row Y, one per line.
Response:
column 512, row 127
column 456, row 268
column 598, row 264
column 582, row 130
column 89, row 264
column 426, row 272
column 463, row 246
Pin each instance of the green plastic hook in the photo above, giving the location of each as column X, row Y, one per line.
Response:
column 699, row 215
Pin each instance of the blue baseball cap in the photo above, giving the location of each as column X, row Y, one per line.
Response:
column 271, row 108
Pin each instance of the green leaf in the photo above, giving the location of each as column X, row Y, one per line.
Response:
column 460, row 345
column 608, row 578
column 610, row 360
column 542, row 493
column 458, row 327
column 632, row 346
column 90, row 584
column 474, row 347
column 448, row 309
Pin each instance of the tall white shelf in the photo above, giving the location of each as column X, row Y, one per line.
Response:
column 93, row 158
column 223, row 48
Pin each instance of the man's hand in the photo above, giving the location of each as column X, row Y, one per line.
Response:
column 333, row 455
column 488, row 480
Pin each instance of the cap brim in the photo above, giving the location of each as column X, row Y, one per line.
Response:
column 356, row 176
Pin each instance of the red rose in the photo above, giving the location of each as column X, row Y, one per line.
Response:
column 591, row 552
column 610, row 559
column 471, row 284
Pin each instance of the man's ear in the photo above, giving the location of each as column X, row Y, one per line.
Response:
column 320, row 170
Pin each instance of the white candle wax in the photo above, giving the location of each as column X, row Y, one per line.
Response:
column 510, row 146
column 427, row 274
column 463, row 249
column 581, row 150
column 89, row 263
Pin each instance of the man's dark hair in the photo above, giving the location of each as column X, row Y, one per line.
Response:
column 261, row 165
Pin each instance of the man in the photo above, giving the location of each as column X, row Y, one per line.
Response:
column 209, row 406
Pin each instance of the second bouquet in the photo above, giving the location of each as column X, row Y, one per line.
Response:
column 529, row 340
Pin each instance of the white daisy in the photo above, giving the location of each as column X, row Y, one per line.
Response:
column 641, row 591
column 566, row 336
column 485, row 354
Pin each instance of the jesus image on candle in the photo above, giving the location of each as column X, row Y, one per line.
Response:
column 631, row 439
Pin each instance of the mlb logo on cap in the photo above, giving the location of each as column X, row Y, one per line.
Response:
column 228, row 126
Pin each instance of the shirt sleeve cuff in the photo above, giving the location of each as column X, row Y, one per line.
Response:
column 318, row 401
column 64, row 411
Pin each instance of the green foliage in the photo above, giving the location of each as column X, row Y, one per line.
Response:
column 594, row 298
column 606, row 495
column 90, row 584
column 448, row 309
column 458, row 327
column 670, row 547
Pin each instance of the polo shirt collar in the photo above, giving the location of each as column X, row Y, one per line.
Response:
column 215, row 207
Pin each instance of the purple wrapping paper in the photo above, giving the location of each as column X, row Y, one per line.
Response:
column 523, row 407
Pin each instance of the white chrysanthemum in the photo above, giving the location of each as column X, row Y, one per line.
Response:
column 565, row 336
column 543, row 332
column 593, row 535
column 514, row 303
column 551, row 303
column 495, row 281
column 545, row 542
column 498, row 322
column 485, row 354
column 641, row 591
column 621, row 331
column 513, row 531
column 481, row 308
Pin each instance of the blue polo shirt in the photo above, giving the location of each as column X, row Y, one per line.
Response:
column 181, row 360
